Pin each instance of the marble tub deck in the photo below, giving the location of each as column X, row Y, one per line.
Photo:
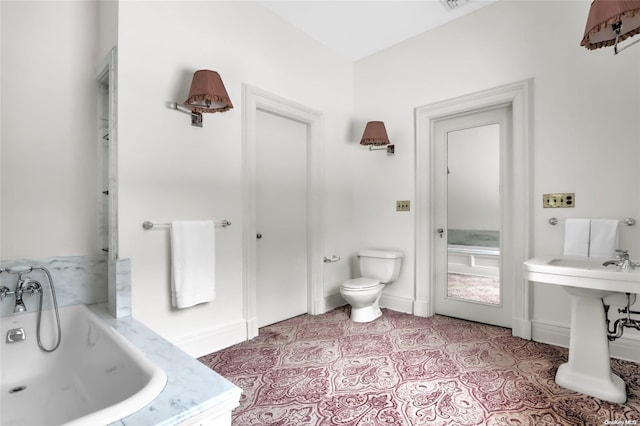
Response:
column 191, row 389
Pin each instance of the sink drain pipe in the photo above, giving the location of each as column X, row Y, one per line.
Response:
column 621, row 323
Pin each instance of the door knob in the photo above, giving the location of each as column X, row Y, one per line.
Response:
column 259, row 236
column 440, row 232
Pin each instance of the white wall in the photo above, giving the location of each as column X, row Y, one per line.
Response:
column 49, row 135
column 107, row 27
column 169, row 170
column 585, row 104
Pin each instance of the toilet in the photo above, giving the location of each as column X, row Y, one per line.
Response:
column 378, row 267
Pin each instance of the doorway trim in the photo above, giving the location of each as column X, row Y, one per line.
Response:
column 517, row 221
column 254, row 100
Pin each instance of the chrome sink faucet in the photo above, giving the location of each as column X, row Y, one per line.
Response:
column 622, row 261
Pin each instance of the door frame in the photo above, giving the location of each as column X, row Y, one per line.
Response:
column 516, row 223
column 254, row 100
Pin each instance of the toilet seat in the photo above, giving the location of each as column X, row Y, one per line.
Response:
column 360, row 284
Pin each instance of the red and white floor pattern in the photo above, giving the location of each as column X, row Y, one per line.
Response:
column 407, row 370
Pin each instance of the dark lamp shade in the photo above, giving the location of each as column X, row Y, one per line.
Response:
column 207, row 93
column 375, row 134
column 599, row 31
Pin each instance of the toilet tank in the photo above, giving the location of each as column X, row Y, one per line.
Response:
column 382, row 265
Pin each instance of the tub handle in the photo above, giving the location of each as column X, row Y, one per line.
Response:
column 16, row 335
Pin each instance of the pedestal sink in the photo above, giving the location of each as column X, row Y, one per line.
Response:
column 587, row 281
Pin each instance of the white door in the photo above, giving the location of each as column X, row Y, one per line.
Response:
column 281, row 218
column 470, row 175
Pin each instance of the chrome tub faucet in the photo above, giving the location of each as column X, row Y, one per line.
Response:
column 27, row 285
column 24, row 285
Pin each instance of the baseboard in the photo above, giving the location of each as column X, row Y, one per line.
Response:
column 318, row 307
column 521, row 328
column 399, row 304
column 252, row 328
column 551, row 333
column 422, row 308
column 626, row 347
column 212, row 340
column 333, row 301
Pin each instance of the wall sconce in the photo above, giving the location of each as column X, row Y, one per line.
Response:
column 207, row 94
column 610, row 22
column 375, row 134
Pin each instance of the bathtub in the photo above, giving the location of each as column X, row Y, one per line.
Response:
column 474, row 260
column 95, row 377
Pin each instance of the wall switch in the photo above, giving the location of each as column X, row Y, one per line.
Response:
column 565, row 199
column 403, row 205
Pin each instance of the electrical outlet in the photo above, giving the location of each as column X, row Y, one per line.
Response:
column 403, row 205
column 566, row 199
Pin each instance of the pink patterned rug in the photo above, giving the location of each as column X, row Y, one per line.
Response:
column 407, row 370
column 472, row 287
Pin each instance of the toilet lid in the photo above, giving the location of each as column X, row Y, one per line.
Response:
column 360, row 284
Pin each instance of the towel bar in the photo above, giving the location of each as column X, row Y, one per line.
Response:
column 148, row 225
column 628, row 221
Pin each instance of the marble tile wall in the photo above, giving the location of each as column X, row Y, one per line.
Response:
column 120, row 288
column 76, row 279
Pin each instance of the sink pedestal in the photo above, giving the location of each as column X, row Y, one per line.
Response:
column 587, row 280
column 589, row 368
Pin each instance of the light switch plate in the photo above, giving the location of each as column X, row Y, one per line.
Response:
column 403, row 205
column 565, row 199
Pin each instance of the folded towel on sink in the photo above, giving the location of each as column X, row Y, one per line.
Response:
column 576, row 237
column 604, row 238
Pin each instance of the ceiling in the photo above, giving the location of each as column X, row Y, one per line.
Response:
column 355, row 29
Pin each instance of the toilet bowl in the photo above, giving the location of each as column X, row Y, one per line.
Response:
column 378, row 268
column 363, row 294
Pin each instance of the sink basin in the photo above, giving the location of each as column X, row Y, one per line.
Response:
column 587, row 280
column 569, row 262
column 587, row 273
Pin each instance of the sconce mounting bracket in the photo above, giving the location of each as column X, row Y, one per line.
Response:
column 391, row 149
column 196, row 119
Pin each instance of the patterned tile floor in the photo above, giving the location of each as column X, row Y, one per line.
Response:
column 407, row 370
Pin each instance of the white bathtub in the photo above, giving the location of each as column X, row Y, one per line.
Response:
column 95, row 377
column 474, row 260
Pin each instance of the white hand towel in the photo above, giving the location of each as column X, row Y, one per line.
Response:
column 193, row 263
column 604, row 238
column 576, row 237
